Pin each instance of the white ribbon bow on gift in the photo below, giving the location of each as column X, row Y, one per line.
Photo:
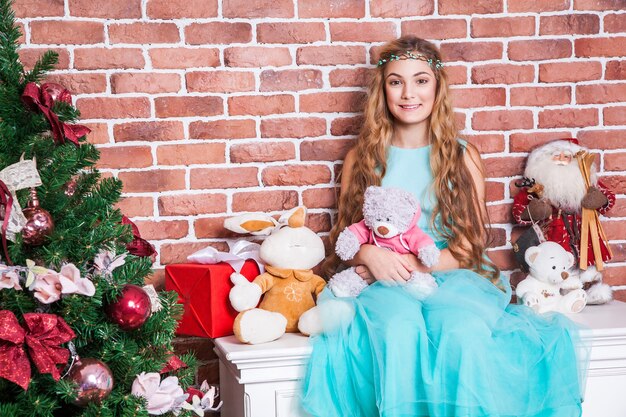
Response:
column 22, row 174
column 235, row 257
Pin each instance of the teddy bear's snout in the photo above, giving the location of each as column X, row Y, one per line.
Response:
column 382, row 230
column 564, row 275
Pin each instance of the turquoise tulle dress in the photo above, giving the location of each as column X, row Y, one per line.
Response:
column 462, row 352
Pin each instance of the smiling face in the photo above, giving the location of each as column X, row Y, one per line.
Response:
column 410, row 89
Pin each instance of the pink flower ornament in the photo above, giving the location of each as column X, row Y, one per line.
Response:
column 72, row 283
column 162, row 396
column 9, row 279
column 47, row 287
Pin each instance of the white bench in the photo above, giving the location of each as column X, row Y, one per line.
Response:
column 263, row 380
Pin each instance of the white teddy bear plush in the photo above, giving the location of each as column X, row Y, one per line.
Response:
column 541, row 289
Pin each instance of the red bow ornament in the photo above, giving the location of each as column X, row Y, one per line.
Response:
column 139, row 246
column 41, row 98
column 43, row 335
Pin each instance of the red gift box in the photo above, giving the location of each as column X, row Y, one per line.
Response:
column 203, row 290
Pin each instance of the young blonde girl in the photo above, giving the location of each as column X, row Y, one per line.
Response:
column 464, row 351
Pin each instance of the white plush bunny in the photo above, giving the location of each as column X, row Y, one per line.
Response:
column 288, row 286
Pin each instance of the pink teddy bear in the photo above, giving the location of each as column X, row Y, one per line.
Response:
column 390, row 217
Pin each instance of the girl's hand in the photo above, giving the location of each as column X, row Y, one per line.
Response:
column 383, row 265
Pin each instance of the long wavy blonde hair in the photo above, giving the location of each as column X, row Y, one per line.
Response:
column 453, row 186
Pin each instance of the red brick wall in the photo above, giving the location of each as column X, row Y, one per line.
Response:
column 206, row 108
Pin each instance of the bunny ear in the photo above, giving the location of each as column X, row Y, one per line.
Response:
column 253, row 223
column 294, row 217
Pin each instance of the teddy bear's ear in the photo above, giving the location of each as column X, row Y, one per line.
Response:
column 253, row 223
column 294, row 217
column 570, row 259
column 531, row 254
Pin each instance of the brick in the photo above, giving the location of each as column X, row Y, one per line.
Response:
column 557, row 72
column 219, row 81
column 614, row 275
column 114, row 9
column 619, row 210
column 435, row 28
column 502, row 120
column 349, row 77
column 178, row 252
column 66, row 32
column 540, row 96
column 218, row 33
column 293, row 127
column 265, row 201
column 209, row 372
column 579, row 24
column 290, row 33
column 129, row 82
column 223, row 129
column 614, row 23
column 296, row 175
column 614, row 182
column 401, row 8
column 615, row 70
column 330, row 55
column 600, row 93
column 615, row 230
column 180, row 58
column 467, row 98
column 180, row 9
column 319, row 198
column 507, row 166
column 487, row 143
column 257, row 8
column 291, row 80
column 539, row 50
column 502, row 27
column 188, row 106
column 38, row 8
column 497, row 237
column 500, row 214
column 223, row 178
column 193, row 153
column 318, row 222
column 537, row 6
column 113, row 107
column 494, row 191
column 99, row 133
column 457, row 74
column 502, row 74
column 525, row 142
column 28, row 57
column 80, row 83
column 614, row 161
column 348, row 102
column 191, row 204
column 158, row 230
column 467, row 7
column 157, row 279
column 113, row 58
column 362, row 31
column 144, row 33
column 120, row 157
column 598, row 5
column 262, row 152
column 153, row 131
column 259, row 105
column 331, row 8
column 602, row 139
column 471, row 51
column 325, row 149
column 213, row 227
column 136, row 206
column 614, row 116
column 153, row 180
column 256, row 56
column 346, row 126
column 600, row 46
column 568, row 118
column 503, row 258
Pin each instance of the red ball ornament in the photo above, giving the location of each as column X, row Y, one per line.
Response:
column 132, row 308
column 39, row 223
column 94, row 381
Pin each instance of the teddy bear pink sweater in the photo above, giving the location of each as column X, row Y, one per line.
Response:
column 411, row 241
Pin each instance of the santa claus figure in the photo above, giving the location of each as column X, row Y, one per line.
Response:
column 553, row 194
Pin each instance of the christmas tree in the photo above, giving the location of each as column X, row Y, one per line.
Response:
column 71, row 304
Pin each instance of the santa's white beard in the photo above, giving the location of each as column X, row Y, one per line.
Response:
column 563, row 184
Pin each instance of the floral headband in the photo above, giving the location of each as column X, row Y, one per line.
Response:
column 434, row 63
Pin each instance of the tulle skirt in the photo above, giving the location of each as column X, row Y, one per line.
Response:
column 462, row 352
